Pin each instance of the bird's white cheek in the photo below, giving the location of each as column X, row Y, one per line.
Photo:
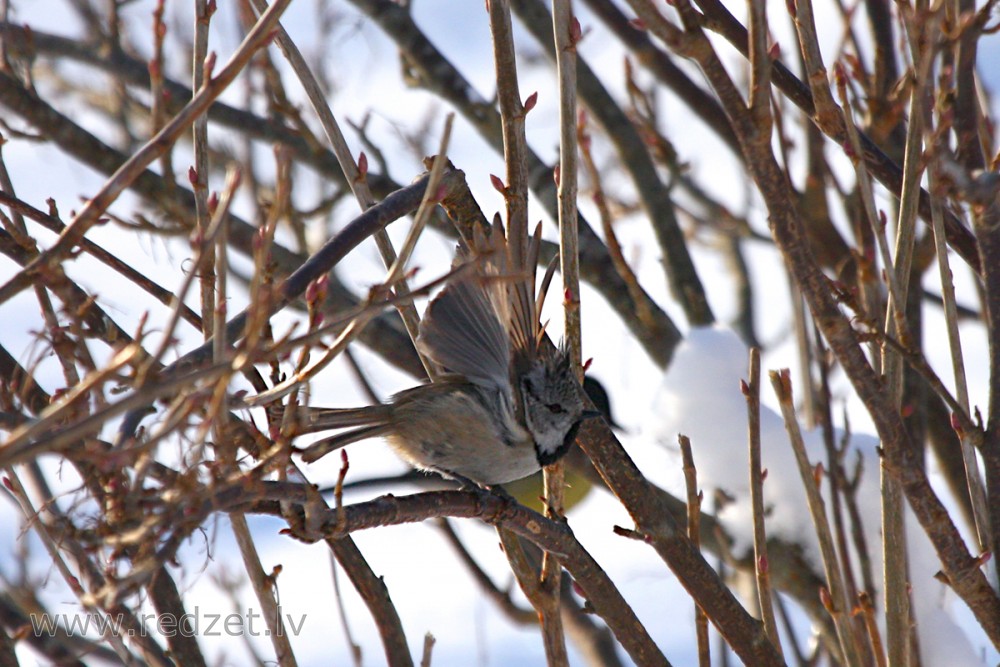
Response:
column 549, row 442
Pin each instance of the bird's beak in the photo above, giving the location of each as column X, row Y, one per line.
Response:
column 591, row 414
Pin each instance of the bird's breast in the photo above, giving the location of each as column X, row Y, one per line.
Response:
column 470, row 431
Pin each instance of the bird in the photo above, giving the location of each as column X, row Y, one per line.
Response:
column 508, row 402
column 527, row 490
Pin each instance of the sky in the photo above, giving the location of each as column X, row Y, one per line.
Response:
column 700, row 390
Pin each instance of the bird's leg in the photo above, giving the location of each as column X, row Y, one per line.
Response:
column 465, row 484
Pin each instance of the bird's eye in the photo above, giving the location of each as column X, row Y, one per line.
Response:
column 555, row 408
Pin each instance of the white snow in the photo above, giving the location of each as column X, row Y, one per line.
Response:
column 700, row 397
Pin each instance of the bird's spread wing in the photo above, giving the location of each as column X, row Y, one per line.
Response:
column 515, row 289
column 483, row 316
column 462, row 331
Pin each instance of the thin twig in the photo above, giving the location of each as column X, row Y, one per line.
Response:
column 199, row 174
column 839, row 606
column 694, row 497
column 512, row 114
column 265, row 588
column 425, row 657
column 763, row 567
column 376, row 596
column 566, row 32
column 355, row 648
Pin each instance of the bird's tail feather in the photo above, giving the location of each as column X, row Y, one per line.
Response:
column 321, row 448
column 313, row 420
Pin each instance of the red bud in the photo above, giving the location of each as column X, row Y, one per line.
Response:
column 498, row 184
column 530, row 103
column 317, row 288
